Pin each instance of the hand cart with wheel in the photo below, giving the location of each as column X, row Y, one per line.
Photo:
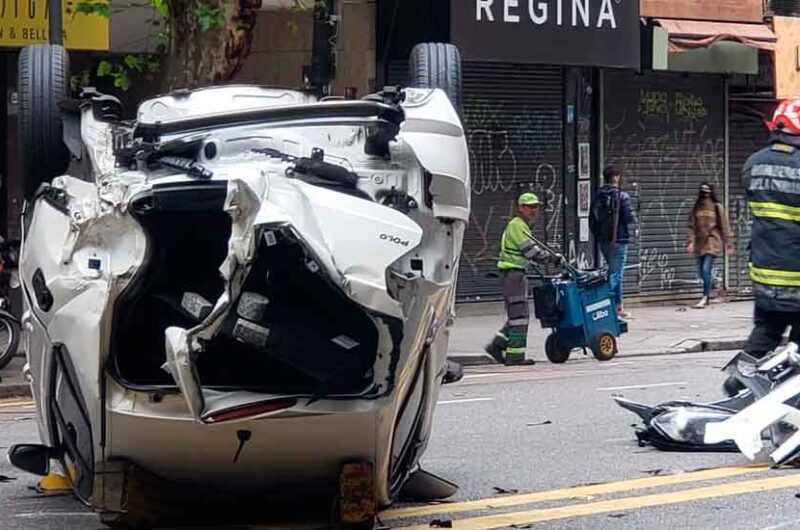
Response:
column 577, row 305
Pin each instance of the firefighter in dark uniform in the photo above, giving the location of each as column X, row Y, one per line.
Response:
column 517, row 248
column 771, row 180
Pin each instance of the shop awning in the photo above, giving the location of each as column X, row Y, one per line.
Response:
column 685, row 35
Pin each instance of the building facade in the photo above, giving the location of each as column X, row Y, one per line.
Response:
column 674, row 92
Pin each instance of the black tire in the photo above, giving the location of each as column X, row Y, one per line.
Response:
column 43, row 84
column 437, row 65
column 555, row 353
column 604, row 346
column 454, row 372
column 9, row 340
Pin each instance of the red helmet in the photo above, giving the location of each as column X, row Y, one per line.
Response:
column 787, row 117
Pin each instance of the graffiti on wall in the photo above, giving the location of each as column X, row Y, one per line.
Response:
column 507, row 158
column 666, row 142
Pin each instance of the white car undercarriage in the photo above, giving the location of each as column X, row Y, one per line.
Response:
column 249, row 267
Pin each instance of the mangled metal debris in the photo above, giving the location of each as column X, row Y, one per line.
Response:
column 242, row 262
column 763, row 416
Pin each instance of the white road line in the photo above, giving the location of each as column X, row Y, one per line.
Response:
column 8, row 404
column 56, row 514
column 787, row 524
column 631, row 387
column 621, row 363
column 470, row 400
column 479, row 376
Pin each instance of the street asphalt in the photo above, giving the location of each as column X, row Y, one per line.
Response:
column 504, row 433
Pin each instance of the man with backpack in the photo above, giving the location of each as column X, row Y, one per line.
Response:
column 613, row 222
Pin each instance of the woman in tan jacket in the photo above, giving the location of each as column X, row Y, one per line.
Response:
column 709, row 233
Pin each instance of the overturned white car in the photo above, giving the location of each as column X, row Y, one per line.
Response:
column 244, row 288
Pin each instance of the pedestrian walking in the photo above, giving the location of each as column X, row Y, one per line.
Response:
column 613, row 223
column 708, row 235
column 518, row 248
column 771, row 179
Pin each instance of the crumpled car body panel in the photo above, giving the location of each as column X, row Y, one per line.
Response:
column 775, row 414
column 171, row 294
column 766, row 409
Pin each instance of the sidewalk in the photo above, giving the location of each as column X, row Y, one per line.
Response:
column 653, row 331
column 13, row 384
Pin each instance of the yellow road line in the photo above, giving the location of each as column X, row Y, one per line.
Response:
column 9, row 404
column 569, row 493
column 629, row 503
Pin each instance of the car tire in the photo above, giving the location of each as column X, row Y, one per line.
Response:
column 10, row 350
column 43, row 84
column 454, row 372
column 555, row 353
column 437, row 65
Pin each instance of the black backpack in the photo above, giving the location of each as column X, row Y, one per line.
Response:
column 604, row 216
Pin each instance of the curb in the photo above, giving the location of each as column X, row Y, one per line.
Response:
column 482, row 359
column 466, row 359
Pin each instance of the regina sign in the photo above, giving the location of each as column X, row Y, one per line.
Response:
column 574, row 32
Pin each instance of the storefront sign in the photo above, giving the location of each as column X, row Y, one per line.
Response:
column 24, row 22
column 575, row 32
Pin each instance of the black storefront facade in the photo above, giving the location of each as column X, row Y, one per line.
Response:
column 554, row 90
column 530, row 90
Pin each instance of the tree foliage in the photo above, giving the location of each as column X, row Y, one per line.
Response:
column 203, row 42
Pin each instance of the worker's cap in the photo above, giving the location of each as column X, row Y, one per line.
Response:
column 528, row 199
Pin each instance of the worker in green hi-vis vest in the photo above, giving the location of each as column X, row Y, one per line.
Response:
column 518, row 248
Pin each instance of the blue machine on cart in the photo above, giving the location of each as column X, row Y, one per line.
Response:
column 577, row 305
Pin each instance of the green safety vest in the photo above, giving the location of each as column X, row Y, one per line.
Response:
column 516, row 233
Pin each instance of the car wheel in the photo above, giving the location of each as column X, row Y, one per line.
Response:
column 9, row 340
column 555, row 353
column 454, row 373
column 437, row 65
column 604, row 346
column 43, row 84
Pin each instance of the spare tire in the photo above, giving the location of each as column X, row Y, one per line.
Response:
column 43, row 84
column 437, row 65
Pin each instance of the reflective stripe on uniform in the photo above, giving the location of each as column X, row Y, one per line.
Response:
column 516, row 351
column 764, row 183
column 512, row 262
column 774, row 277
column 530, row 249
column 518, row 322
column 771, row 170
column 774, row 210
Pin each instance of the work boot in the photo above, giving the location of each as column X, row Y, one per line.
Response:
column 518, row 360
column 497, row 347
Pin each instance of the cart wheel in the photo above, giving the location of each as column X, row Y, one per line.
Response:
column 555, row 353
column 604, row 346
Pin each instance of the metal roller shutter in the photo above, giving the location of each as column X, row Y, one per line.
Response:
column 748, row 134
column 513, row 118
column 666, row 133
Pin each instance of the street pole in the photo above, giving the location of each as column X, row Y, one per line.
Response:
column 56, row 26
